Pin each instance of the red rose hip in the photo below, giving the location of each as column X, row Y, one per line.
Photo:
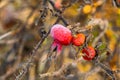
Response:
column 58, row 4
column 78, row 40
column 89, row 53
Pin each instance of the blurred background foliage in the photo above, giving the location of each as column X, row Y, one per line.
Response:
column 19, row 35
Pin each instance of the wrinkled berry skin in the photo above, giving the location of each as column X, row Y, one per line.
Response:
column 89, row 53
column 61, row 34
column 78, row 40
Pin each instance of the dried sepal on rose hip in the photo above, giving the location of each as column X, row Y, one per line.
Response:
column 61, row 36
column 78, row 39
column 89, row 53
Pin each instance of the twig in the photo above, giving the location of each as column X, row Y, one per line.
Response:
column 6, row 35
column 15, row 66
column 56, row 73
column 108, row 71
column 105, row 25
column 8, row 41
column 93, row 71
column 25, row 69
column 58, row 14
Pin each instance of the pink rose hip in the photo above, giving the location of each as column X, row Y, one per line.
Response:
column 61, row 36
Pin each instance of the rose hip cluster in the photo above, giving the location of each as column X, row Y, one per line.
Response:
column 63, row 36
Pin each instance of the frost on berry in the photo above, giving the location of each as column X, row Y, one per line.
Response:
column 61, row 36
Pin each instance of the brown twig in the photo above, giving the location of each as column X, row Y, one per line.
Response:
column 56, row 73
column 15, row 66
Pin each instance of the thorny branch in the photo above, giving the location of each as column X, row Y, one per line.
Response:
column 43, row 34
column 92, row 23
column 108, row 71
column 61, row 71
column 25, row 69
column 15, row 67
column 17, row 32
column 41, row 19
